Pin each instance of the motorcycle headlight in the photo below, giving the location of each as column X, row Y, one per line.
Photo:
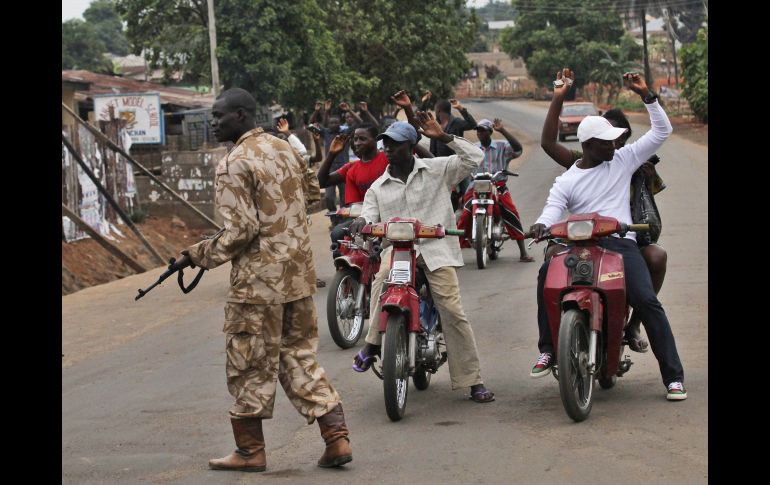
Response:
column 482, row 185
column 400, row 231
column 356, row 209
column 580, row 230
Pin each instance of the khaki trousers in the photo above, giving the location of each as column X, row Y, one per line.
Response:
column 463, row 357
column 275, row 343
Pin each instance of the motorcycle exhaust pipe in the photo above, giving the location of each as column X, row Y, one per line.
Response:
column 412, row 351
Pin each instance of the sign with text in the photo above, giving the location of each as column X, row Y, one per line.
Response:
column 141, row 112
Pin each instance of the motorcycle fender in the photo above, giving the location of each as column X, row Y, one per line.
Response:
column 587, row 301
column 345, row 262
column 400, row 299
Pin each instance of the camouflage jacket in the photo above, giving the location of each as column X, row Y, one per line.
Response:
column 260, row 194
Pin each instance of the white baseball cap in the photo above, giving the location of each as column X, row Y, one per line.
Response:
column 598, row 127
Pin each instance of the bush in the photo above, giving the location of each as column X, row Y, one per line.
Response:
column 695, row 67
column 137, row 216
column 635, row 104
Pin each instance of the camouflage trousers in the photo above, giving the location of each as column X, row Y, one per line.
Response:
column 269, row 343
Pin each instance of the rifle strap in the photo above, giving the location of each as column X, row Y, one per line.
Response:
column 180, row 280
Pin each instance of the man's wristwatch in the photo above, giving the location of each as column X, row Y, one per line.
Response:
column 651, row 97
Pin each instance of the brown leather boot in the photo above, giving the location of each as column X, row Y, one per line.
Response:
column 250, row 455
column 335, row 434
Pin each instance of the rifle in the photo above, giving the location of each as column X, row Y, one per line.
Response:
column 173, row 268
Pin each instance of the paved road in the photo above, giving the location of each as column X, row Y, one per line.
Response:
column 144, row 397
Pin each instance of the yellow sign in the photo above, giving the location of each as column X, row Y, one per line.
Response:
column 611, row 276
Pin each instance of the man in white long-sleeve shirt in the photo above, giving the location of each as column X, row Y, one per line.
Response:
column 412, row 187
column 599, row 183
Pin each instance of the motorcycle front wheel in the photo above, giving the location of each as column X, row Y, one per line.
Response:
column 395, row 376
column 575, row 384
column 344, row 327
column 481, row 240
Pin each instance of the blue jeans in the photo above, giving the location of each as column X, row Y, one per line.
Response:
column 641, row 296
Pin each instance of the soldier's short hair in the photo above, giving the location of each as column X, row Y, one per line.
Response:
column 239, row 98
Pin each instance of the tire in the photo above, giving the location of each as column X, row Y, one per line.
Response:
column 608, row 383
column 344, row 331
column 481, row 240
column 493, row 250
column 395, row 378
column 575, row 385
column 421, row 378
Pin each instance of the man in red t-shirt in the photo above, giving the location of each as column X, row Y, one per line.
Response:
column 358, row 175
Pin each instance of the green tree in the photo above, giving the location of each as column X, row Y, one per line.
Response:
column 578, row 36
column 101, row 14
column 295, row 52
column 402, row 44
column 172, row 34
column 81, row 47
column 695, row 67
column 279, row 51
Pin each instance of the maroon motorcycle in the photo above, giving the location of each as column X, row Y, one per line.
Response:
column 413, row 344
column 347, row 303
column 585, row 298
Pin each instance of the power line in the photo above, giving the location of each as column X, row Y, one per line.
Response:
column 595, row 8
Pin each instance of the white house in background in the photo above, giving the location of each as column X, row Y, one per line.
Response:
column 500, row 24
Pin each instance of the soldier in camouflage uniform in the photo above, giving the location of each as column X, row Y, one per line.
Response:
column 270, row 319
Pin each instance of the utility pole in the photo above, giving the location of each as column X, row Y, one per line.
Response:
column 647, row 77
column 213, row 49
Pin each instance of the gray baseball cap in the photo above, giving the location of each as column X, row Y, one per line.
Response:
column 484, row 124
column 400, row 131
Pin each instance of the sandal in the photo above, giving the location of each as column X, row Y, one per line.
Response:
column 527, row 259
column 361, row 362
column 482, row 395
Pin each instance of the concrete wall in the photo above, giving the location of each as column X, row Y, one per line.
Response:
column 191, row 175
column 509, row 67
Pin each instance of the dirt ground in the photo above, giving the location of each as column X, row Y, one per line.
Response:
column 684, row 126
column 85, row 263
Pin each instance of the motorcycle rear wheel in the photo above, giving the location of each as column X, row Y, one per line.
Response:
column 608, row 382
column 421, row 378
column 494, row 247
column 345, row 330
column 395, row 376
column 575, row 384
column 481, row 240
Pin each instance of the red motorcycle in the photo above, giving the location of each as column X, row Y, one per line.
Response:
column 488, row 230
column 585, row 297
column 347, row 303
column 414, row 343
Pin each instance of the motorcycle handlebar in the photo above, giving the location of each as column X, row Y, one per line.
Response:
column 454, row 232
column 639, row 227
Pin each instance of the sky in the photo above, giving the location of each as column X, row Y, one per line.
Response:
column 75, row 8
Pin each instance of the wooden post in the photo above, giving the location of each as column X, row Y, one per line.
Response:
column 109, row 198
column 100, row 136
column 114, row 250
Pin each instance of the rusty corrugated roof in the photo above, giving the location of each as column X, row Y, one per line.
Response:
column 106, row 84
